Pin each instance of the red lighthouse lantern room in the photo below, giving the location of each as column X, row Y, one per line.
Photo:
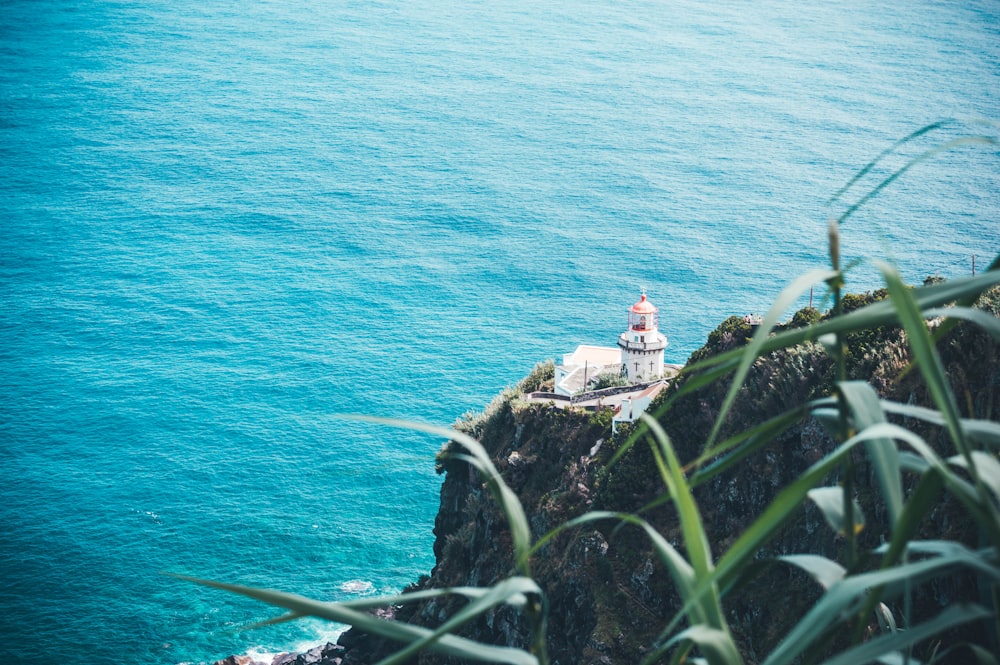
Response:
column 642, row 316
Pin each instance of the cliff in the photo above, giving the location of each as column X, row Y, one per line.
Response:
column 608, row 596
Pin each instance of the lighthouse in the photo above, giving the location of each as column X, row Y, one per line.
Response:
column 642, row 344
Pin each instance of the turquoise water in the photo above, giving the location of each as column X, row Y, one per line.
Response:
column 224, row 222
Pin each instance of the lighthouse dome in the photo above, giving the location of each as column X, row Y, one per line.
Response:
column 644, row 306
column 643, row 315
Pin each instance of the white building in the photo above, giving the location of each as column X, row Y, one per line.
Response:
column 583, row 366
column 639, row 354
column 635, row 404
column 642, row 344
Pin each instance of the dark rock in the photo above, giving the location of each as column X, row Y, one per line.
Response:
column 327, row 654
column 239, row 660
column 324, row 654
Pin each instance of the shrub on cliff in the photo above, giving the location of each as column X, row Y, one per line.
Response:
column 732, row 333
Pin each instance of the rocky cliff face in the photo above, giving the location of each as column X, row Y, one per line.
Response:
column 608, row 597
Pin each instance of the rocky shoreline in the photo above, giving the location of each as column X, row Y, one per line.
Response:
column 353, row 647
column 324, row 654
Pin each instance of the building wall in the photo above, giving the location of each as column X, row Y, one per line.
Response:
column 643, row 348
column 644, row 358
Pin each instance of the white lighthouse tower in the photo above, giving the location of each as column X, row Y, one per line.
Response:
column 642, row 344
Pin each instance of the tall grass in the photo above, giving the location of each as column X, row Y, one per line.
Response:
column 856, row 596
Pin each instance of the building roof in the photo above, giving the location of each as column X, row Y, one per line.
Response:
column 644, row 306
column 653, row 390
column 594, row 355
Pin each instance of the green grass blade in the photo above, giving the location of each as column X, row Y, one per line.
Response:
column 785, row 505
column 586, row 518
column 986, row 432
column 882, row 155
column 922, row 500
column 717, row 645
column 745, row 443
column 987, row 322
column 949, row 548
column 924, row 353
column 785, row 299
column 778, row 512
column 680, row 570
column 924, row 156
column 987, row 467
column 825, row 571
column 394, row 630
column 866, row 410
column 692, row 529
column 846, row 598
column 963, row 490
column 869, row 651
column 499, row 594
column 505, row 497
column 625, row 447
column 934, row 375
column 472, row 593
column 695, row 540
column 928, row 458
column 830, row 501
column 948, row 324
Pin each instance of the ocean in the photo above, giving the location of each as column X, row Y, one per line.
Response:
column 224, row 223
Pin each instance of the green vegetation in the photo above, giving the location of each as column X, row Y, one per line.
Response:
column 930, row 468
column 609, row 380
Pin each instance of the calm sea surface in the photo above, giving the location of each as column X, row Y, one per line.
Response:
column 223, row 222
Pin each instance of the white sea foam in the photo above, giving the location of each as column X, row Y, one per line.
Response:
column 321, row 632
column 262, row 656
column 360, row 587
column 317, row 633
